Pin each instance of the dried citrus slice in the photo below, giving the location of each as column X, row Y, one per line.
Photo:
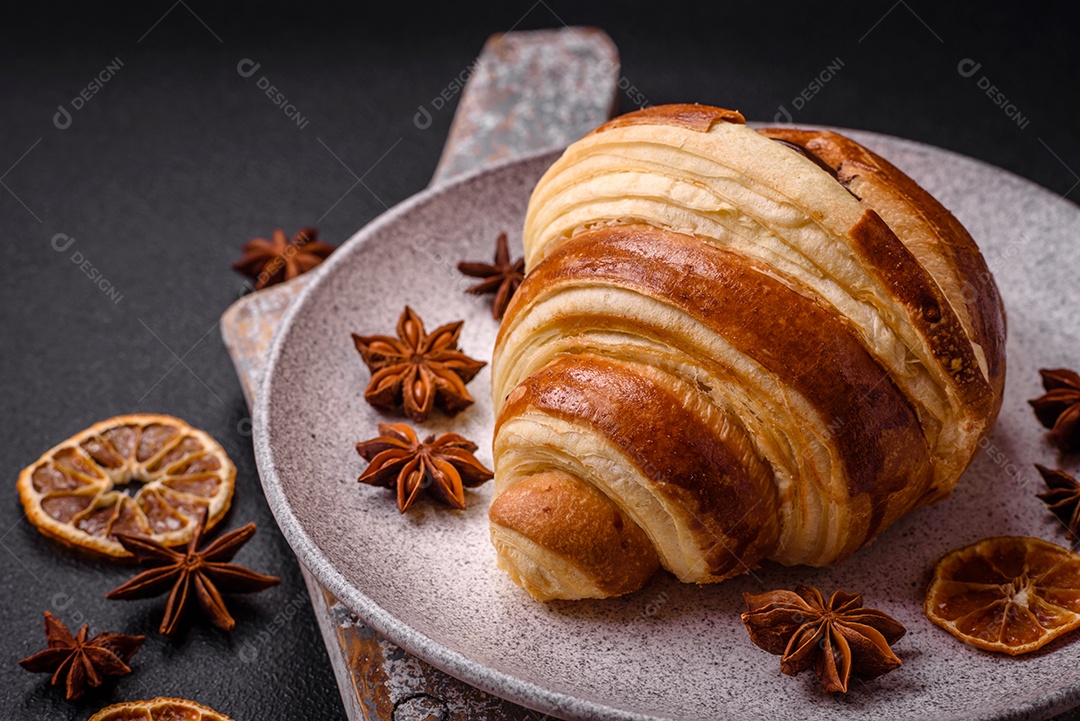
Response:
column 159, row 709
column 1009, row 594
column 76, row 492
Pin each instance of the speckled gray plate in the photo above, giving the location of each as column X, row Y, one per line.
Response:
column 428, row 579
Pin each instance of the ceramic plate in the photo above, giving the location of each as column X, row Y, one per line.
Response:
column 428, row 580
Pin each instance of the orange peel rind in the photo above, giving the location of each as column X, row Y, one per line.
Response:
column 159, row 709
column 75, row 492
column 1008, row 594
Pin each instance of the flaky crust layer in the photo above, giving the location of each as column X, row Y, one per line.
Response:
column 929, row 229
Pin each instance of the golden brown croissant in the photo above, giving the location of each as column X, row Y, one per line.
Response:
column 731, row 345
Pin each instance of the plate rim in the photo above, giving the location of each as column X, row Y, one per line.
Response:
column 500, row 683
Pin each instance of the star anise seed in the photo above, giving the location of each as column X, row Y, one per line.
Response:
column 203, row 575
column 444, row 465
column 270, row 262
column 1062, row 497
column 79, row 663
column 1059, row 407
column 502, row 277
column 418, row 370
column 839, row 639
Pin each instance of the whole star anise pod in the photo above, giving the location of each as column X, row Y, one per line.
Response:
column 80, row 663
column 203, row 575
column 839, row 639
column 444, row 465
column 501, row 277
column 1059, row 408
column 270, row 262
column 1062, row 497
column 417, row 370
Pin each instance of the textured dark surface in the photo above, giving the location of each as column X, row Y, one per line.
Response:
column 179, row 159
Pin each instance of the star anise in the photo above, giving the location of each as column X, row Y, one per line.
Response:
column 839, row 639
column 203, row 574
column 1059, row 408
column 418, row 370
column 1062, row 497
column 80, row 663
column 270, row 262
column 501, row 277
column 444, row 465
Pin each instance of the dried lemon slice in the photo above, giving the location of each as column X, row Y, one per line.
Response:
column 1009, row 594
column 76, row 491
column 159, row 709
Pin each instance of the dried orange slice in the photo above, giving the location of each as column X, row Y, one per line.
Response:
column 159, row 709
column 76, row 491
column 1009, row 594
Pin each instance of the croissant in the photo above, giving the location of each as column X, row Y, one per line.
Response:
column 730, row 346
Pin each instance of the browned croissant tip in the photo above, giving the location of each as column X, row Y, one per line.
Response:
column 881, row 184
column 695, row 117
column 578, row 526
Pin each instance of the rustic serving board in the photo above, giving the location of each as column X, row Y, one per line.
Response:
column 528, row 91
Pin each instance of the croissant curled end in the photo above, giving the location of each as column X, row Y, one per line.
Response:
column 594, row 551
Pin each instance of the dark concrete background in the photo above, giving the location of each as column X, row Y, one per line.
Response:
column 178, row 159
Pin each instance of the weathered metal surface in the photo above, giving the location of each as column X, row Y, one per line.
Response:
column 248, row 328
column 528, row 91
column 531, row 91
